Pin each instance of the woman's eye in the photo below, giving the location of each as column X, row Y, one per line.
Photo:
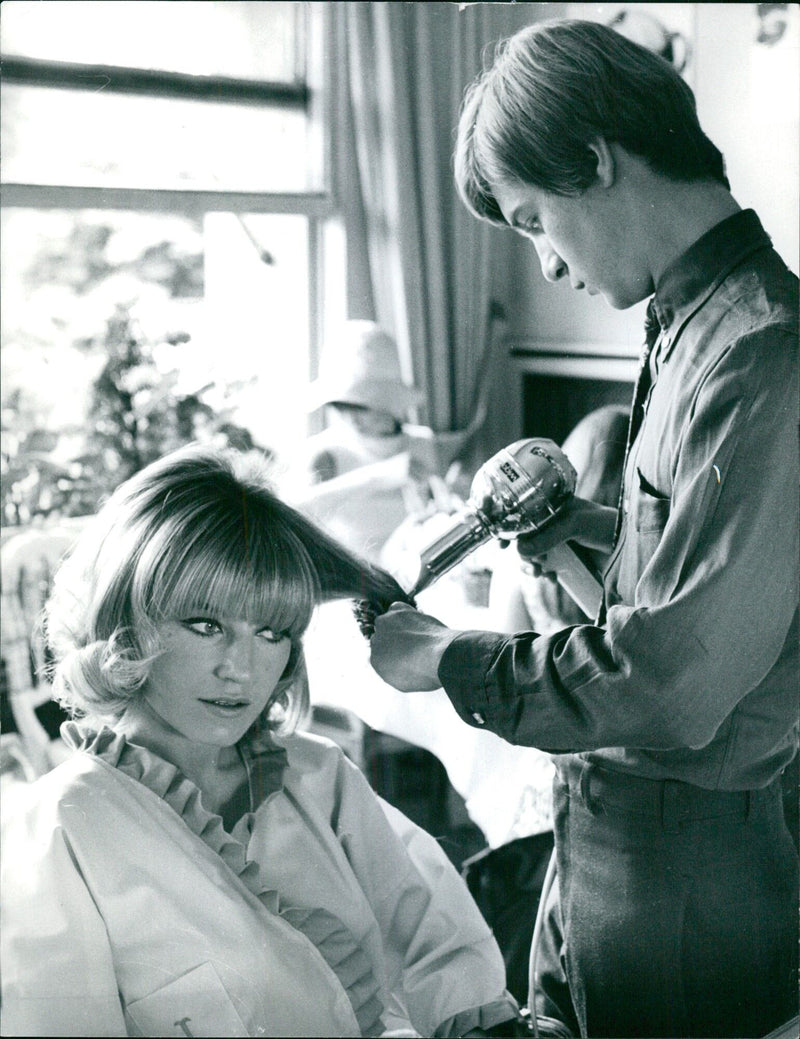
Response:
column 202, row 626
column 532, row 226
column 272, row 636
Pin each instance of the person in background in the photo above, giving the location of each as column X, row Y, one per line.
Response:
column 673, row 714
column 365, row 400
column 198, row 866
column 354, row 477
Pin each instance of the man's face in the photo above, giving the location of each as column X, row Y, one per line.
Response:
column 583, row 238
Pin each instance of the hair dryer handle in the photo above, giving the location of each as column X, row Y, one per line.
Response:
column 575, row 577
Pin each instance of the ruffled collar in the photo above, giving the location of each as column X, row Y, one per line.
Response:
column 166, row 781
column 264, row 758
column 266, row 762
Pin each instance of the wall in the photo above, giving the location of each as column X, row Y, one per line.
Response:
column 747, row 102
column 748, row 97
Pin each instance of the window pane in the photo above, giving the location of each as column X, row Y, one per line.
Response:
column 112, row 140
column 242, row 40
column 124, row 334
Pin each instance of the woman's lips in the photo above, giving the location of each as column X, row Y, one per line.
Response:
column 226, row 707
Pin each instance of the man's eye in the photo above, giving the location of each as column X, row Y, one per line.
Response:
column 202, row 626
column 532, row 226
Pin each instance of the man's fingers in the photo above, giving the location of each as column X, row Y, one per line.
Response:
column 541, row 568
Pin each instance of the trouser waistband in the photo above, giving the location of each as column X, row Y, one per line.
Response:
column 670, row 801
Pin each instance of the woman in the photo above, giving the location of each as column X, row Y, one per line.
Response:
column 197, row 867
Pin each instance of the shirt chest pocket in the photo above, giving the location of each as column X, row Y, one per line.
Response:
column 647, row 516
column 196, row 1004
column 650, row 514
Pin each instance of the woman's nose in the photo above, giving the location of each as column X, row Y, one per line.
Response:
column 236, row 662
column 553, row 267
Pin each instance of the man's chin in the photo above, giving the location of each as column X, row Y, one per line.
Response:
column 623, row 302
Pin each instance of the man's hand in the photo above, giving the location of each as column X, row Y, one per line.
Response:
column 579, row 520
column 407, row 647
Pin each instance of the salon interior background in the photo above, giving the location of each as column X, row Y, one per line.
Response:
column 186, row 212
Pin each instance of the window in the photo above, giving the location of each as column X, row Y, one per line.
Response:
column 164, row 185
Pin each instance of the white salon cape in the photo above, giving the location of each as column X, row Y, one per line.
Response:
column 127, row 909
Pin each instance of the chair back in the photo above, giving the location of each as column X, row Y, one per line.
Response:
column 28, row 561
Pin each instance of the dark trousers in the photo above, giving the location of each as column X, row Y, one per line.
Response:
column 675, row 912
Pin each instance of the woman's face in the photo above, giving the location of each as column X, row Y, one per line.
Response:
column 215, row 676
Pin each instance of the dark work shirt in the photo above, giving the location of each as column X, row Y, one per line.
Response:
column 694, row 673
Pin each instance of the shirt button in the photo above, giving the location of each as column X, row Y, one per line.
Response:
column 478, row 717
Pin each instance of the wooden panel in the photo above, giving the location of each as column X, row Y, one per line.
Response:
column 554, row 404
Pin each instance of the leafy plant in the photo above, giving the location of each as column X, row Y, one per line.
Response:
column 108, row 283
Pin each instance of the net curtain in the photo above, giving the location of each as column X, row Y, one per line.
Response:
column 417, row 261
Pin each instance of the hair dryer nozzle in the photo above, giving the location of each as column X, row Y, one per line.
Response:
column 517, row 491
column 466, row 534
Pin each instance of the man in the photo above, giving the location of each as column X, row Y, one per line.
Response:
column 672, row 717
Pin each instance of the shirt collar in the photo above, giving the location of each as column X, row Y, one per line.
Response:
column 690, row 279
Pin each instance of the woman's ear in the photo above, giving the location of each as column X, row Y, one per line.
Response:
column 606, row 163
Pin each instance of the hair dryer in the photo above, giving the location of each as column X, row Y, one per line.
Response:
column 519, row 490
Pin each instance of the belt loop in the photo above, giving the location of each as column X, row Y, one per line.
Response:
column 585, row 787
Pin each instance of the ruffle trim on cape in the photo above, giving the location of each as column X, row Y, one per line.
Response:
column 336, row 943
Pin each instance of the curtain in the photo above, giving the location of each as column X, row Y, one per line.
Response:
column 417, row 260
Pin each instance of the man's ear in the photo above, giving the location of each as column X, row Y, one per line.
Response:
column 606, row 165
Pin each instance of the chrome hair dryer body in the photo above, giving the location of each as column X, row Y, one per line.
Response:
column 516, row 492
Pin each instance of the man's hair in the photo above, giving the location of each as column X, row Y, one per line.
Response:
column 556, row 87
column 199, row 529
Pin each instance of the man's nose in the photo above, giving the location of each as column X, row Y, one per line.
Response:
column 236, row 662
column 553, row 267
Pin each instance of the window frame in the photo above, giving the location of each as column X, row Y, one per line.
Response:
column 314, row 96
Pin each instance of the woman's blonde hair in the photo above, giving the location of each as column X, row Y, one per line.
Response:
column 200, row 528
